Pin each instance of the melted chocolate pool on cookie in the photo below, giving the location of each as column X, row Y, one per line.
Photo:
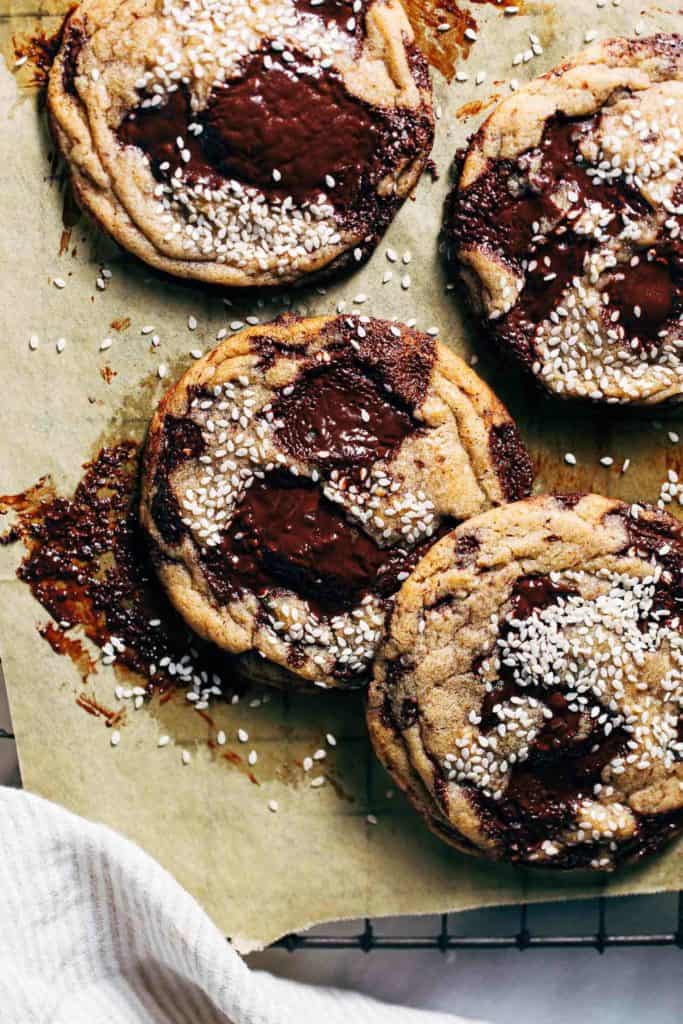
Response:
column 288, row 129
column 287, row 534
column 512, row 210
column 339, row 416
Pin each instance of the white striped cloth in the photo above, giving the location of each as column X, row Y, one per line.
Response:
column 93, row 931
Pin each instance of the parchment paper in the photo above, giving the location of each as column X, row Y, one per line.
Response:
column 260, row 874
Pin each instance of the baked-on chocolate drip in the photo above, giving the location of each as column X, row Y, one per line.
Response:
column 72, row 41
column 88, row 565
column 287, row 129
column 513, row 221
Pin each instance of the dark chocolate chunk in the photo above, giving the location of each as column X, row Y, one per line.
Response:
column 285, row 128
column 511, row 460
column 73, row 41
column 336, row 415
column 181, row 440
column 645, row 296
column 286, row 534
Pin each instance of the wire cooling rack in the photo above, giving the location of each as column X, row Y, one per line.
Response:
column 446, row 937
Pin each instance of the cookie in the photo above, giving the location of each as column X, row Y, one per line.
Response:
column 528, row 695
column 295, row 474
column 242, row 142
column 566, row 223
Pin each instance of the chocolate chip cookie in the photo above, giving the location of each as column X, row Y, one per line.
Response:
column 528, row 695
column 294, row 476
column 242, row 142
column 566, row 223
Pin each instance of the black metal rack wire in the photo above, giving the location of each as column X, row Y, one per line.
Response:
column 445, row 939
column 371, row 938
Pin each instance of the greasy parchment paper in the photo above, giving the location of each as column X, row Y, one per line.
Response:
column 259, row 874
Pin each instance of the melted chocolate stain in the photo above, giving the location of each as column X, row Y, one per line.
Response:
column 155, row 131
column 182, row 440
column 557, row 264
column 302, row 124
column 661, row 540
column 283, row 128
column 443, row 50
column 339, row 416
column 88, row 564
column 466, row 549
column 39, row 51
column 534, row 593
column 402, row 363
column 286, row 534
column 508, row 217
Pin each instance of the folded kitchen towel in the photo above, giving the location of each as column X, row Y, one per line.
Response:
column 93, row 931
